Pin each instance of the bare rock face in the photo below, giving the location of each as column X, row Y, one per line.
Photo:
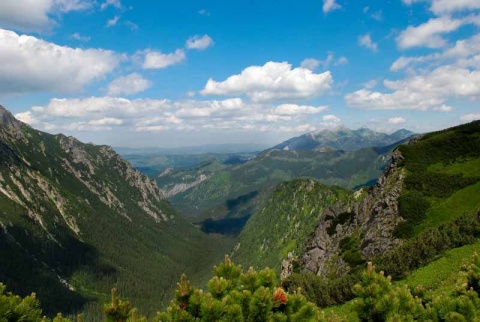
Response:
column 371, row 220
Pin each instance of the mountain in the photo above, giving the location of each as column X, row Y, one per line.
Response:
column 77, row 220
column 426, row 201
column 213, row 187
column 342, row 138
column 152, row 164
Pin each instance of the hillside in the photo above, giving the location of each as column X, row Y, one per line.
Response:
column 215, row 185
column 76, row 220
column 426, row 202
column 285, row 222
column 342, row 138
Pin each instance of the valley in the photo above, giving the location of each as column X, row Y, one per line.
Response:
column 82, row 220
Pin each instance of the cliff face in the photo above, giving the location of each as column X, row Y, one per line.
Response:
column 365, row 229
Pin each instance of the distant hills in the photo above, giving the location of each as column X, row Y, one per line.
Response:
column 342, row 138
column 342, row 157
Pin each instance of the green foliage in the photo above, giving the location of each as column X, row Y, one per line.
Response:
column 378, row 300
column 323, row 292
column 286, row 221
column 422, row 249
column 15, row 308
column 413, row 208
column 62, row 183
column 441, row 169
column 235, row 295
column 350, row 251
column 340, row 168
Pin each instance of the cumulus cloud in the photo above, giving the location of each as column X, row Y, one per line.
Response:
column 31, row 65
column 430, row 81
column 272, row 81
column 470, row 117
column 159, row 60
column 420, row 92
column 38, row 15
column 462, row 52
column 396, row 120
column 367, row 42
column 429, row 33
column 442, row 7
column 199, row 43
column 128, row 85
column 140, row 115
column 330, row 5
column 293, row 109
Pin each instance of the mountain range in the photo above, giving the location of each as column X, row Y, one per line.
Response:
column 77, row 220
column 342, row 138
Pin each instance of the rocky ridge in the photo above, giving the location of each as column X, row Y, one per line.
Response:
column 370, row 222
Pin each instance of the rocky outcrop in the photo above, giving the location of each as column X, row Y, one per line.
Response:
column 371, row 222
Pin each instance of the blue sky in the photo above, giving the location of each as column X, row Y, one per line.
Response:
column 183, row 73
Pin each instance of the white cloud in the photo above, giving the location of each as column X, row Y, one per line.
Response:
column 36, row 15
column 113, row 22
column 31, row 65
column 443, row 108
column 330, row 5
column 158, row 60
column 470, row 117
column 199, row 43
column 293, row 109
column 331, row 118
column 272, row 81
column 108, row 113
column 106, row 121
column 449, row 6
column 128, row 85
column 114, row 3
column 396, row 120
column 420, row 92
column 463, row 51
column 310, row 63
column 367, row 42
column 77, row 36
column 442, row 7
column 428, row 34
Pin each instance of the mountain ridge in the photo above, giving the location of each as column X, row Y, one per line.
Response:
column 342, row 138
column 68, row 209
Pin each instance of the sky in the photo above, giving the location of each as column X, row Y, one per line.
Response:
column 175, row 73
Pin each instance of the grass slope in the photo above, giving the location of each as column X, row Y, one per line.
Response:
column 285, row 222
